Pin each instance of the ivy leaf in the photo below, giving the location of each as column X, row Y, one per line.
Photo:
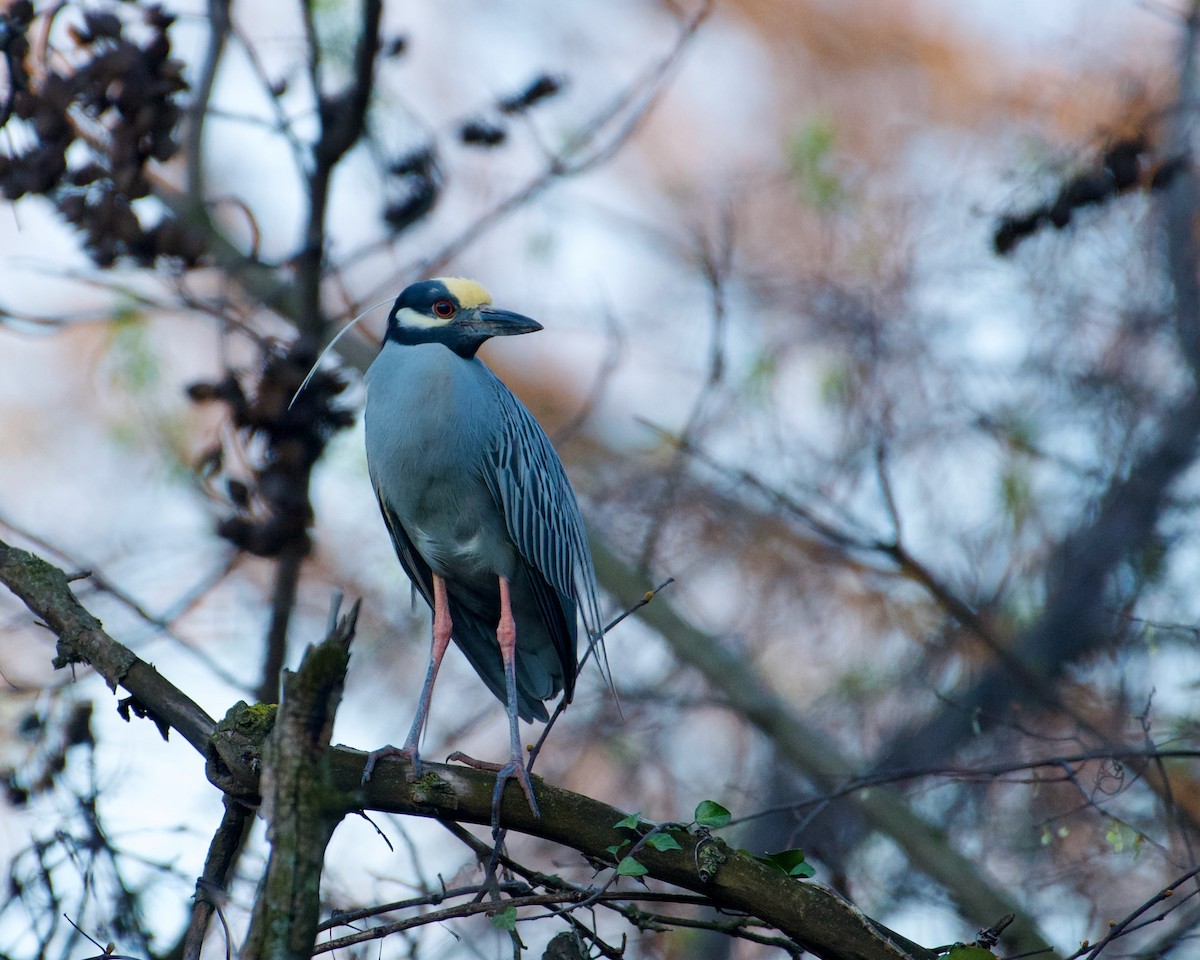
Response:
column 506, row 919
column 792, row 863
column 709, row 813
column 662, row 841
column 617, row 847
column 966, row 951
column 628, row 867
column 628, row 823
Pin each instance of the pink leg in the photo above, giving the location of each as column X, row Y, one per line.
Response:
column 442, row 628
column 506, row 636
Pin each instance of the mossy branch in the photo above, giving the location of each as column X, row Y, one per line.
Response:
column 809, row 913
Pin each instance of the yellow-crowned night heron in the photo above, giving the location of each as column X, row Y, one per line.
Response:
column 480, row 511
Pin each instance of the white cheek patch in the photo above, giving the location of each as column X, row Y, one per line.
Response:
column 408, row 317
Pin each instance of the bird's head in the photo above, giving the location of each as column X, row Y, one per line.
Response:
column 452, row 311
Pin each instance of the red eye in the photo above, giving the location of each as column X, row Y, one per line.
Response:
column 444, row 308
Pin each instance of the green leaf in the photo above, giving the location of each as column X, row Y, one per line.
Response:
column 811, row 160
column 1016, row 493
column 1122, row 838
column 838, row 386
column 628, row 823
column 617, row 847
column 790, row 863
column 628, row 867
column 967, row 951
column 506, row 919
column 709, row 813
column 134, row 365
column 762, row 375
column 662, row 841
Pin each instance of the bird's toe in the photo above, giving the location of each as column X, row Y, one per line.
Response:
column 407, row 753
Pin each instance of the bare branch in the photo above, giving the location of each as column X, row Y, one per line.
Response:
column 318, row 785
column 1119, row 928
column 343, row 119
column 715, row 265
column 748, row 692
column 45, row 590
column 1076, row 620
column 219, row 26
column 213, row 884
column 592, row 144
column 299, row 801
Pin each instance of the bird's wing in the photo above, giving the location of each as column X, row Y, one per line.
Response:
column 527, row 479
column 413, row 563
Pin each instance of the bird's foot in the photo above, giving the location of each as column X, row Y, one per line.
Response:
column 514, row 769
column 459, row 757
column 406, row 752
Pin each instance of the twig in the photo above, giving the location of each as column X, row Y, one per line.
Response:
column 1121, row 926
column 283, row 599
column 341, row 918
column 283, row 124
column 163, row 623
column 343, row 119
column 490, row 907
column 218, row 32
column 223, row 853
column 558, row 710
column 984, row 773
column 612, row 359
column 715, row 265
column 583, row 151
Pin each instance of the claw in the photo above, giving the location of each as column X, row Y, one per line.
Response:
column 514, row 769
column 406, row 752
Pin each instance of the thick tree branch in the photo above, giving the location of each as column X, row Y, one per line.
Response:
column 45, row 590
column 1180, row 202
column 343, row 118
column 301, row 802
column 809, row 913
column 212, row 886
column 1076, row 620
column 804, row 746
column 219, row 26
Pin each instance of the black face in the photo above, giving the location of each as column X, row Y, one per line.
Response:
column 452, row 311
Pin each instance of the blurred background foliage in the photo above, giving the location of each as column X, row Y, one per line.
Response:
column 872, row 325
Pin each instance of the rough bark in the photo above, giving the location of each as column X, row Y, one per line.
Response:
column 312, row 786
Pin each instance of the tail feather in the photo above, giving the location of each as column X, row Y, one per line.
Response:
column 477, row 640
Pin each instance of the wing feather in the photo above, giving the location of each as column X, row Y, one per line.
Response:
column 406, row 551
column 527, row 478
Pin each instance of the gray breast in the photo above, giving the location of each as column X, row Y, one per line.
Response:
column 428, row 433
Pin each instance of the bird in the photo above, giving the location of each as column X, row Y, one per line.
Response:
column 479, row 509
